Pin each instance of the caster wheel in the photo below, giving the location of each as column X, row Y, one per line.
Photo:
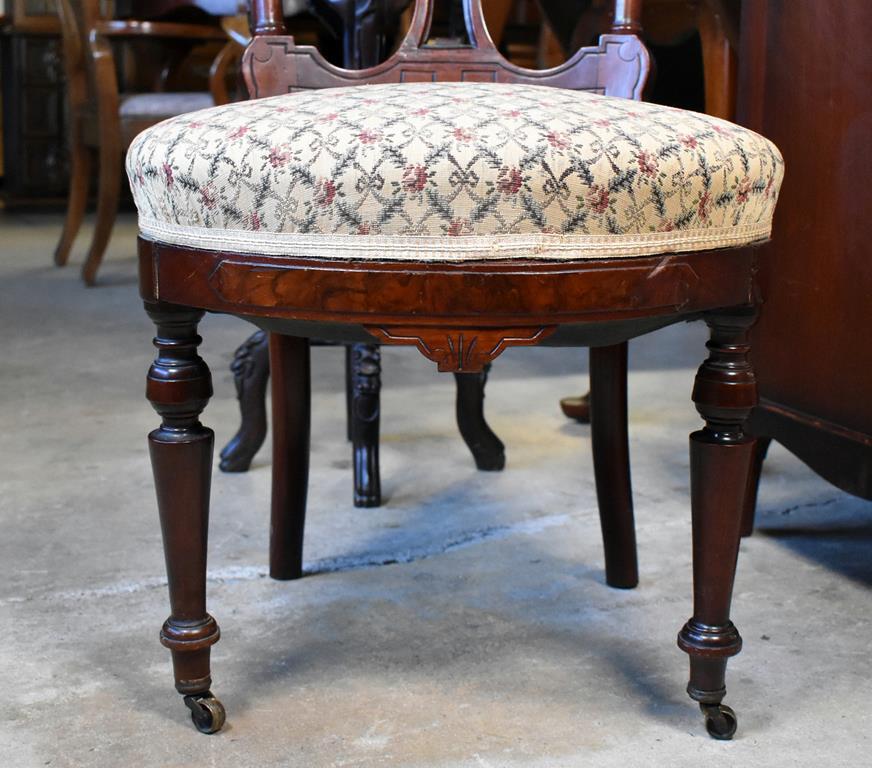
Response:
column 720, row 721
column 207, row 712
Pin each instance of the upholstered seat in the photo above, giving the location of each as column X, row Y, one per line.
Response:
column 453, row 171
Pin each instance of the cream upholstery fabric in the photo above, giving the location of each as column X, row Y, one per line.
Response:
column 453, row 171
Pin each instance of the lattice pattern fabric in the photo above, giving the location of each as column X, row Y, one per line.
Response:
column 453, row 171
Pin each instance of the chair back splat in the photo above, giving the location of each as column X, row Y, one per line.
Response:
column 273, row 64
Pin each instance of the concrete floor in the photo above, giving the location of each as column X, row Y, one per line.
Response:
column 493, row 642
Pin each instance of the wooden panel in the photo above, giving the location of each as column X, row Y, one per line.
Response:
column 806, row 67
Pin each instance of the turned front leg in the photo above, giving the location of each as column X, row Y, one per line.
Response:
column 721, row 455
column 179, row 385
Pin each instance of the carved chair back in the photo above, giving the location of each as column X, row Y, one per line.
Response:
column 273, row 64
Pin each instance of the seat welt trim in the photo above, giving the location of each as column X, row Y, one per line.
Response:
column 452, row 249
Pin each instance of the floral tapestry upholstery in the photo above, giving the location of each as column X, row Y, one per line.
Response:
column 452, row 171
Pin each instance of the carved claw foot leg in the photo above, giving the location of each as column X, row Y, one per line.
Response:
column 250, row 369
column 291, row 408
column 365, row 407
column 611, row 462
column 577, row 408
column 721, row 455
column 486, row 448
column 179, row 386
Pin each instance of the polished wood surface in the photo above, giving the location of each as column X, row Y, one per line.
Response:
column 806, row 67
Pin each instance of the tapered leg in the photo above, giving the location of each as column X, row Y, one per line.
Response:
column 250, row 369
column 107, row 203
column 179, row 386
column 365, row 408
column 611, row 463
column 761, row 448
column 291, row 406
column 486, row 448
column 721, row 456
column 80, row 178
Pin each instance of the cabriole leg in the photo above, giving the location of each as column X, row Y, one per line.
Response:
column 179, row 385
column 365, row 409
column 721, row 455
column 487, row 449
column 250, row 368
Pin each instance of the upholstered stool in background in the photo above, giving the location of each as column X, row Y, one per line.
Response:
column 461, row 218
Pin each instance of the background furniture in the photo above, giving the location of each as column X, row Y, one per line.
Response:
column 367, row 31
column 105, row 114
column 805, row 73
column 34, row 114
column 460, row 315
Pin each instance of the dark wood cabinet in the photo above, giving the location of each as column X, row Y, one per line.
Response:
column 34, row 106
column 805, row 77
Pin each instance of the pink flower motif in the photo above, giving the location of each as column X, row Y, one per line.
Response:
column 721, row 130
column 421, row 112
column 325, row 191
column 743, row 190
column 647, row 163
column 414, row 178
column 667, row 226
column 254, row 222
column 558, row 140
column 168, row 174
column 195, row 124
column 328, row 117
column 510, row 181
column 363, row 229
column 207, row 197
column 769, row 185
column 138, row 175
column 603, row 122
column 689, row 141
column 598, row 198
column 239, row 132
column 456, row 227
column 368, row 137
column 704, row 205
column 278, row 156
column 461, row 134
column 513, row 113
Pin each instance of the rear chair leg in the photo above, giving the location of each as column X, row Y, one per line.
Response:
column 289, row 360
column 611, row 463
column 179, row 386
column 721, row 455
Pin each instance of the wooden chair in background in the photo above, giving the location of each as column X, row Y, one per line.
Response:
column 105, row 116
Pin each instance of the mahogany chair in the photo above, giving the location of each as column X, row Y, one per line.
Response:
column 456, row 206
column 103, row 119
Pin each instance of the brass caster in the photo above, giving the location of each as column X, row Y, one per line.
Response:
column 206, row 711
column 720, row 721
